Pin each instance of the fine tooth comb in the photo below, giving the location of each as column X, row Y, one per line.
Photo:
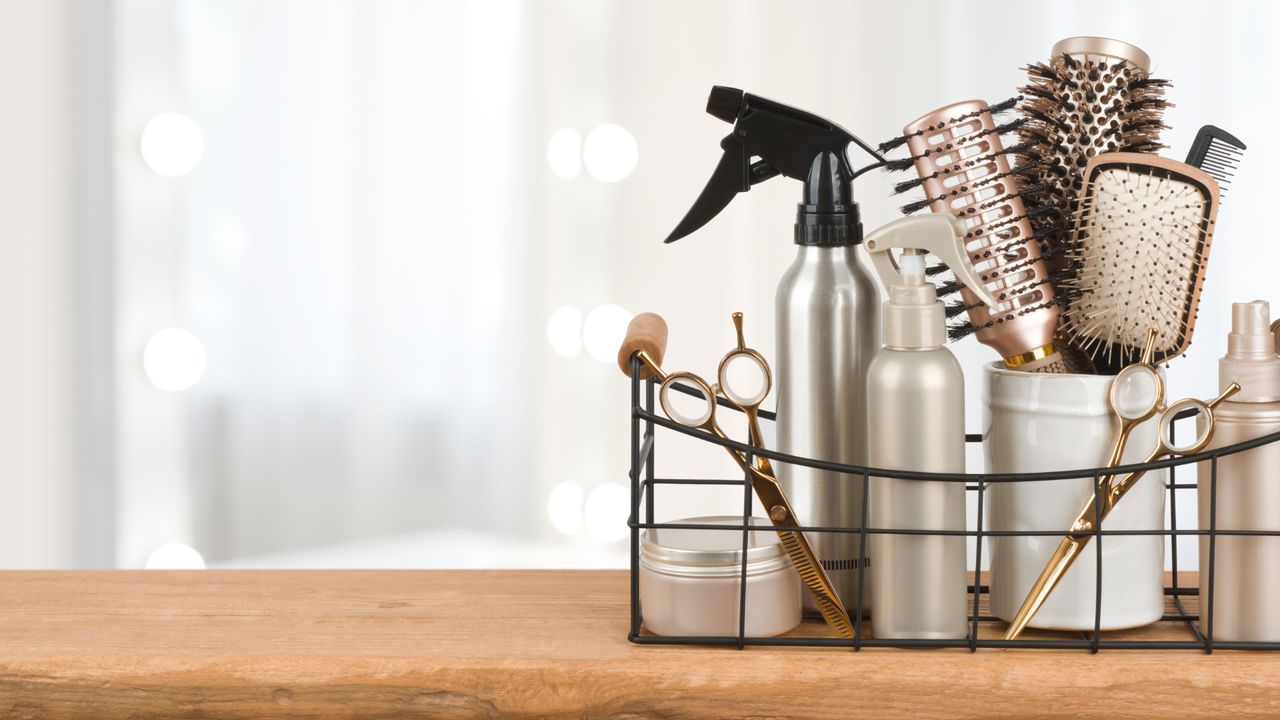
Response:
column 965, row 171
column 1094, row 96
column 1217, row 152
column 1141, row 244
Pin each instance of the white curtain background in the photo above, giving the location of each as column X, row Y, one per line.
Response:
column 355, row 253
column 374, row 242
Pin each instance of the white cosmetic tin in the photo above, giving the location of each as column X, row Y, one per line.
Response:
column 690, row 580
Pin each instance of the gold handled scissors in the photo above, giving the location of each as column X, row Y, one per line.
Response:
column 763, row 480
column 1134, row 397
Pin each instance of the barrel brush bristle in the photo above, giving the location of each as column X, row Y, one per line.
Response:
column 1077, row 106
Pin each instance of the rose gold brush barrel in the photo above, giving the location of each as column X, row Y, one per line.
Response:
column 1086, row 47
column 959, row 154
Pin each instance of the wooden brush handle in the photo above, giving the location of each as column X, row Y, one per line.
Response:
column 648, row 332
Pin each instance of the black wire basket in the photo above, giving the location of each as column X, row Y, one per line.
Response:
column 1182, row 604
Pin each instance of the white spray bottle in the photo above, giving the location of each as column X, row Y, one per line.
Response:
column 915, row 421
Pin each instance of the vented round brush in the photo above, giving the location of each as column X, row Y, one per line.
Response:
column 1095, row 95
column 965, row 171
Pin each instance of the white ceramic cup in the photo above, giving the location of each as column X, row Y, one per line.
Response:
column 1041, row 422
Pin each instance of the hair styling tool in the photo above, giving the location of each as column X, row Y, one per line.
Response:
column 1246, row 496
column 1135, row 396
column 915, row 407
column 646, row 338
column 1141, row 244
column 827, row 307
column 965, row 171
column 1095, row 95
column 1217, row 152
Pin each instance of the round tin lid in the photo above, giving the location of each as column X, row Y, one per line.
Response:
column 692, row 547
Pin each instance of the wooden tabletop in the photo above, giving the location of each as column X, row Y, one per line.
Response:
column 444, row 644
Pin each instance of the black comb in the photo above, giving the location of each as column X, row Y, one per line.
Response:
column 1217, row 152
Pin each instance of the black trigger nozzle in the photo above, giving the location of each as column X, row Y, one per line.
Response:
column 724, row 103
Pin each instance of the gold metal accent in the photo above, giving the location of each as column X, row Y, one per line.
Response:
column 1109, row 490
column 763, row 480
column 1030, row 356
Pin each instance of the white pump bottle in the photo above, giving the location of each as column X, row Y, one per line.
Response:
column 915, row 421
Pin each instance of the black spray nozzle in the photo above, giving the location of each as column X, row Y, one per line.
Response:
column 770, row 139
column 828, row 215
column 725, row 102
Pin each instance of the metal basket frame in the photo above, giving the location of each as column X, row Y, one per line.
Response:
column 644, row 484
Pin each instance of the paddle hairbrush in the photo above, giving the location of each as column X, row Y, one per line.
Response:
column 1141, row 244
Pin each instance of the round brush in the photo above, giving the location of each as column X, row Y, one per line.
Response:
column 965, row 171
column 1095, row 95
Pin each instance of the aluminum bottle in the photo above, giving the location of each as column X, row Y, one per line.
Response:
column 915, row 421
column 828, row 328
column 1245, row 578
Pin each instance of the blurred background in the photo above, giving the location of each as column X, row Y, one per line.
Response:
column 292, row 283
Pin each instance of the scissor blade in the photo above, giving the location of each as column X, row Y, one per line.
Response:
column 816, row 580
column 811, row 572
column 1066, row 554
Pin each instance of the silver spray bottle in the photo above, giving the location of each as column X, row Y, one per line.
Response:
column 915, row 421
column 1245, row 578
column 827, row 325
column 828, row 328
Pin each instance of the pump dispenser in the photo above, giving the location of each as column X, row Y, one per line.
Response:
column 827, row 323
column 1245, row 582
column 915, row 421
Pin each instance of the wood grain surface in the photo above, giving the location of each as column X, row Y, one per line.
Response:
column 464, row 644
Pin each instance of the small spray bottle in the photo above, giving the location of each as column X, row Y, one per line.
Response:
column 1245, row 582
column 915, row 421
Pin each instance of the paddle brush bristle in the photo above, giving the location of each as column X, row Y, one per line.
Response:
column 1141, row 245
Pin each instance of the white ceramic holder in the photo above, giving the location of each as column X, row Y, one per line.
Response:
column 1043, row 422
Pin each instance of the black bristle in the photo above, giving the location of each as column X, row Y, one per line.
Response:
column 1011, row 126
column 893, row 144
column 959, row 331
column 1019, row 149
column 1005, row 106
column 1145, row 146
column 909, row 185
column 1141, row 82
column 1029, row 191
column 1043, row 93
column 1046, row 119
column 914, row 207
column 949, row 288
column 935, row 270
column 899, row 165
column 954, row 309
